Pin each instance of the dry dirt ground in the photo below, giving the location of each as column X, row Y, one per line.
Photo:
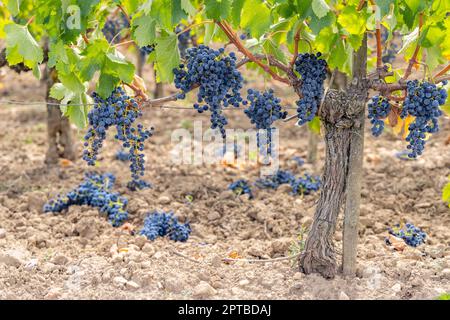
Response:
column 78, row 255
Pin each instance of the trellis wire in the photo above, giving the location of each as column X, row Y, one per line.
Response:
column 56, row 104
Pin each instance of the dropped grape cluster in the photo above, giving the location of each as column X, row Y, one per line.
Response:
column 122, row 155
column 422, row 102
column 274, row 181
column 379, row 109
column 121, row 111
column 218, row 79
column 241, row 187
column 313, row 71
column 94, row 191
column 160, row 224
column 412, row 235
column 300, row 185
column 305, row 185
column 263, row 111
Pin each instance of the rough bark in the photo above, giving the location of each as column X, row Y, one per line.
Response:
column 60, row 141
column 354, row 179
column 140, row 63
column 342, row 116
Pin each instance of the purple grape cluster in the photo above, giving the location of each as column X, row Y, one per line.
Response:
column 241, row 187
column 146, row 50
column 122, row 155
column 313, row 72
column 94, row 191
column 160, row 224
column 379, row 109
column 422, row 102
column 305, row 185
column 218, row 79
column 274, row 181
column 121, row 111
column 263, row 111
column 183, row 39
column 113, row 27
column 412, row 235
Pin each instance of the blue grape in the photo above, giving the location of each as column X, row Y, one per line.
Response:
column 274, row 181
column 183, row 39
column 122, row 155
column 94, row 191
column 121, row 111
column 146, row 50
column 138, row 184
column 305, row 185
column 263, row 111
column 241, row 187
column 313, row 72
column 379, row 109
column 412, row 235
column 422, row 102
column 113, row 27
column 160, row 224
column 218, row 79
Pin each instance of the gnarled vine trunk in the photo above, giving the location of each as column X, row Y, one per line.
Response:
column 60, row 141
column 342, row 116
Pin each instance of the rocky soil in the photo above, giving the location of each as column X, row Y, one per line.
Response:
column 78, row 255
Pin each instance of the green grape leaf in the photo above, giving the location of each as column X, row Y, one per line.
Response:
column 256, row 17
column 320, row 8
column 118, row 66
column 21, row 47
column 415, row 5
column 144, row 28
column 304, row 8
column 317, row 24
column 13, row 6
column 236, row 9
column 217, row 9
column 187, row 6
column 352, row 20
column 73, row 106
column 384, row 6
column 146, row 7
column 446, row 194
column 167, row 56
column 106, row 84
column 314, row 125
column 178, row 13
column 272, row 49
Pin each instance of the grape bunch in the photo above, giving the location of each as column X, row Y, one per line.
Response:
column 263, row 111
column 94, row 191
column 122, row 155
column 422, row 102
column 379, row 109
column 113, row 27
column 274, row 181
column 313, row 71
column 183, row 39
column 412, row 235
column 121, row 111
column 305, row 185
column 241, row 187
column 159, row 224
column 218, row 79
column 146, row 50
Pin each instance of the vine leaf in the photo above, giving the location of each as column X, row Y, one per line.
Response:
column 167, row 56
column 217, row 9
column 73, row 105
column 144, row 30
column 256, row 17
column 21, row 47
column 320, row 8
